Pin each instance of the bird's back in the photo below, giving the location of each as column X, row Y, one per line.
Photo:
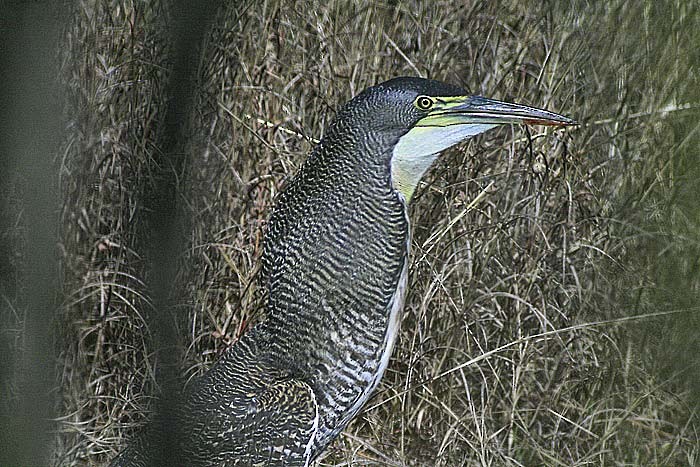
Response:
column 232, row 416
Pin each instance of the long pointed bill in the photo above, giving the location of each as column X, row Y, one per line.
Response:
column 480, row 110
column 451, row 120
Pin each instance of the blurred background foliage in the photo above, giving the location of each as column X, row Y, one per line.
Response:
column 553, row 312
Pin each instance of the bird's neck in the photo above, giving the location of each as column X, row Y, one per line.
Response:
column 335, row 256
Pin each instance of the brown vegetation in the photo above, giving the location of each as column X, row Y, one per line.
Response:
column 531, row 248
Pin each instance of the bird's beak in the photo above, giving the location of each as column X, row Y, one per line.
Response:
column 449, row 121
column 461, row 110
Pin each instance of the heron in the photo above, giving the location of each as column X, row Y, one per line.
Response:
column 334, row 268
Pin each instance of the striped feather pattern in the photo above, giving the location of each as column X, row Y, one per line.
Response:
column 335, row 251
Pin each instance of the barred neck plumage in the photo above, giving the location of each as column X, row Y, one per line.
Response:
column 335, row 250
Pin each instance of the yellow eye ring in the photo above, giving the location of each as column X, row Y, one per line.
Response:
column 424, row 102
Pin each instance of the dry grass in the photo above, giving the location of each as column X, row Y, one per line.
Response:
column 518, row 233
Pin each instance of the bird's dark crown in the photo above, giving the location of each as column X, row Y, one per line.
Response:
column 389, row 106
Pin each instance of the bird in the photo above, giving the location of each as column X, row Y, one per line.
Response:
column 334, row 268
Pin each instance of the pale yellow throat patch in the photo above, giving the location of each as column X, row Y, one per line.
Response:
column 417, row 150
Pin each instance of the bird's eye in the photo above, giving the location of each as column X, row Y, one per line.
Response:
column 424, row 102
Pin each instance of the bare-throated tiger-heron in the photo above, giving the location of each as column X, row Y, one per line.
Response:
column 334, row 268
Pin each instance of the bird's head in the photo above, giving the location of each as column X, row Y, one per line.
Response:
column 423, row 117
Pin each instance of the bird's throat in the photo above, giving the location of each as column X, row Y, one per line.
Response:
column 416, row 151
column 406, row 172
